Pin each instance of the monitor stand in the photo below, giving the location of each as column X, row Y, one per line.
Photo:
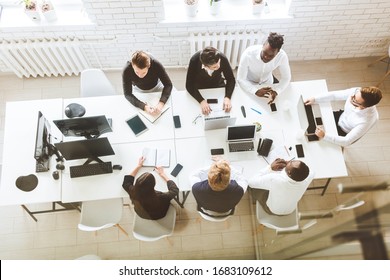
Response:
column 89, row 160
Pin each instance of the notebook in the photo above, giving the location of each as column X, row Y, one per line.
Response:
column 156, row 157
column 241, row 138
column 151, row 118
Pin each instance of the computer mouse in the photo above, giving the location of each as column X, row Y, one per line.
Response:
column 56, row 175
column 117, row 167
column 60, row 166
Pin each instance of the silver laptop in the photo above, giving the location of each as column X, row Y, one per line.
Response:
column 241, row 138
column 218, row 122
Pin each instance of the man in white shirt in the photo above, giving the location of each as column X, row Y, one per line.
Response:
column 358, row 116
column 281, row 185
column 257, row 64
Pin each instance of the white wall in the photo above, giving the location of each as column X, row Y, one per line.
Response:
column 319, row 29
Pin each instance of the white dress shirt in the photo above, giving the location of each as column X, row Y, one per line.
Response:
column 353, row 121
column 252, row 71
column 284, row 192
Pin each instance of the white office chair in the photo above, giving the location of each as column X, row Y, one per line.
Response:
column 279, row 223
column 152, row 230
column 215, row 218
column 100, row 214
column 385, row 58
column 93, row 82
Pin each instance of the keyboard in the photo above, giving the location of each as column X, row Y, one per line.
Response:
column 241, row 147
column 90, row 169
column 217, row 118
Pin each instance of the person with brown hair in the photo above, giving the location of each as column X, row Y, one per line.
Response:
column 279, row 186
column 149, row 203
column 209, row 68
column 358, row 116
column 218, row 188
column 257, row 63
column 146, row 74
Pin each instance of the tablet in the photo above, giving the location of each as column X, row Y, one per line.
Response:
column 136, row 125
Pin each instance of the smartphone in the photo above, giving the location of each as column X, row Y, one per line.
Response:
column 176, row 121
column 212, row 100
column 265, row 147
column 318, row 121
column 219, row 151
column 259, row 146
column 273, row 107
column 299, row 149
column 176, row 170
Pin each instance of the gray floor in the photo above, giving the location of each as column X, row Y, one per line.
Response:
column 56, row 236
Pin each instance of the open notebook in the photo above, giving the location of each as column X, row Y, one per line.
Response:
column 151, row 118
column 156, row 157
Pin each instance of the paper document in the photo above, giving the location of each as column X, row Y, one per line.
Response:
column 151, row 118
column 156, row 157
column 278, row 152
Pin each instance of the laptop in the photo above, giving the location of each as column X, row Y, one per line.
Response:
column 309, row 119
column 241, row 138
column 218, row 122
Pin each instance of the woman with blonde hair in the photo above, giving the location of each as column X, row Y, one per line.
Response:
column 218, row 188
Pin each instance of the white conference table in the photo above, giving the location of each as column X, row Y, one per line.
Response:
column 190, row 145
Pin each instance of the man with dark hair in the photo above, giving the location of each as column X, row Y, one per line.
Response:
column 146, row 74
column 209, row 68
column 358, row 116
column 257, row 64
column 279, row 186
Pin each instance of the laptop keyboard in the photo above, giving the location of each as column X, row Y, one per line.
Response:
column 241, row 147
column 216, row 118
column 90, row 169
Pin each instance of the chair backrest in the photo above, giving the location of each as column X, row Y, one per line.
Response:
column 152, row 230
column 279, row 223
column 213, row 219
column 93, row 82
column 100, row 214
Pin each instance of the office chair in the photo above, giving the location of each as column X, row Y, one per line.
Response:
column 93, row 82
column 152, row 230
column 279, row 223
column 100, row 214
column 216, row 219
column 385, row 58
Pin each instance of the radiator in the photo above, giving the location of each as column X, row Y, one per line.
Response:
column 44, row 57
column 231, row 44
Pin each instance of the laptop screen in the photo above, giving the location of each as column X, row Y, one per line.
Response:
column 241, row 132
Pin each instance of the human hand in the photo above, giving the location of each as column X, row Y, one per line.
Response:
column 216, row 158
column 271, row 95
column 159, row 108
column 205, row 107
column 149, row 109
column 310, row 101
column 278, row 164
column 227, row 104
column 320, row 132
column 161, row 172
column 262, row 92
column 141, row 161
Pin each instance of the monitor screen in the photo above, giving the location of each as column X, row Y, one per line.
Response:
column 89, row 148
column 42, row 138
column 86, row 126
column 241, row 132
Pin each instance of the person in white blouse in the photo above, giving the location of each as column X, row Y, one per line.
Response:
column 218, row 188
column 358, row 116
column 257, row 64
column 279, row 186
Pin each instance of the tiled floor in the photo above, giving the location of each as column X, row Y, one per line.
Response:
column 55, row 236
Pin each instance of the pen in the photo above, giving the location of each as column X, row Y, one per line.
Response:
column 197, row 117
column 287, row 151
column 256, row 111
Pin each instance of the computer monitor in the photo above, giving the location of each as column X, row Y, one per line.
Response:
column 91, row 149
column 89, row 127
column 42, row 150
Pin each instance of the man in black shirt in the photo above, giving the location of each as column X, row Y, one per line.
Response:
column 147, row 75
column 205, row 71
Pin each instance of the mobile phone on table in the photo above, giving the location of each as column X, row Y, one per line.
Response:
column 176, row 170
column 273, row 107
column 299, row 149
column 212, row 100
column 176, row 121
column 218, row 151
